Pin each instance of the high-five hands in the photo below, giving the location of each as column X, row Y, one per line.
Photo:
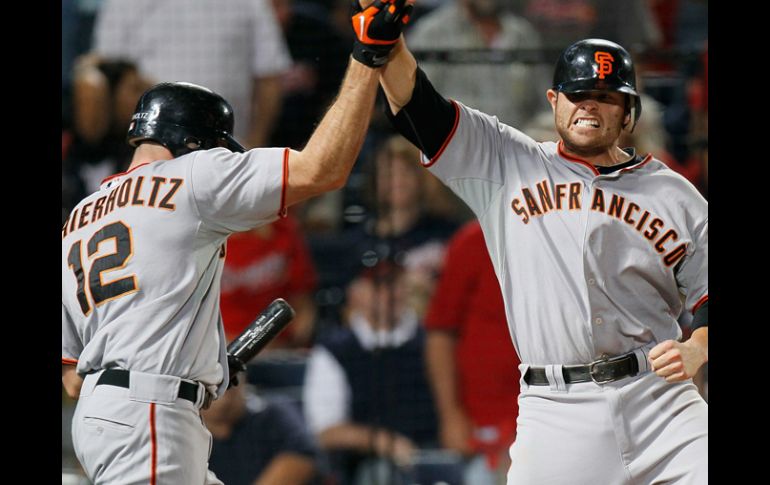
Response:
column 377, row 28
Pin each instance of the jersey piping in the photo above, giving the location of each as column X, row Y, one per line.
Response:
column 699, row 303
column 123, row 173
column 646, row 160
column 154, row 446
column 285, row 182
column 570, row 158
column 632, row 164
column 448, row 138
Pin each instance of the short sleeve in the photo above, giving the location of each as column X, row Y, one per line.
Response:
column 71, row 344
column 235, row 192
column 480, row 156
column 692, row 273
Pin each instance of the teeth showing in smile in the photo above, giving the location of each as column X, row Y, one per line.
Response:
column 584, row 122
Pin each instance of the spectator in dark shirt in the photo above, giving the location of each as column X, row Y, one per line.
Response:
column 257, row 442
column 365, row 394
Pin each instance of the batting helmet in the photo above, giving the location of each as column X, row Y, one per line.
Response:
column 597, row 65
column 183, row 117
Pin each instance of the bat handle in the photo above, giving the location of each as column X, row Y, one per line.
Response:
column 262, row 330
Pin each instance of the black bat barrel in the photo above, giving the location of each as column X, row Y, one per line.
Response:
column 267, row 325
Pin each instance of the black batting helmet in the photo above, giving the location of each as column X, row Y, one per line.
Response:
column 597, row 65
column 183, row 117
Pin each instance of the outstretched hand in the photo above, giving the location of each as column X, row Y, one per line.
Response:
column 377, row 27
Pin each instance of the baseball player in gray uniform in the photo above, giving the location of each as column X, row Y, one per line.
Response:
column 142, row 339
column 597, row 250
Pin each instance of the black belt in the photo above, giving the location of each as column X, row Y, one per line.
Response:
column 120, row 378
column 599, row 371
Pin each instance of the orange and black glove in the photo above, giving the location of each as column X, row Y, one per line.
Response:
column 377, row 29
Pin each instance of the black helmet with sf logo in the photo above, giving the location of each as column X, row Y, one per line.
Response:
column 183, row 117
column 597, row 65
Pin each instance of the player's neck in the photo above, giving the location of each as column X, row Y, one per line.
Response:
column 613, row 156
column 149, row 152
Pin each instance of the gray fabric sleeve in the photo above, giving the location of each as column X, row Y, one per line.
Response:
column 236, row 192
column 71, row 344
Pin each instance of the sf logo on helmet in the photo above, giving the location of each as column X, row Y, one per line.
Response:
column 604, row 60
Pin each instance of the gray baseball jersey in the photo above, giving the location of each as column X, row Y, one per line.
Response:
column 588, row 264
column 142, row 259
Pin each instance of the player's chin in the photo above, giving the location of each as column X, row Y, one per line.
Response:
column 587, row 136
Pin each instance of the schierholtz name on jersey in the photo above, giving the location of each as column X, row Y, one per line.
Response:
column 157, row 192
column 567, row 197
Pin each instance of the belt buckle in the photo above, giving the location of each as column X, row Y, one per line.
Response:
column 593, row 371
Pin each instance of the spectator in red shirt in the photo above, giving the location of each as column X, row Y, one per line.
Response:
column 261, row 265
column 472, row 364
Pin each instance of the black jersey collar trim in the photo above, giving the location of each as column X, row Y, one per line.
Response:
column 635, row 162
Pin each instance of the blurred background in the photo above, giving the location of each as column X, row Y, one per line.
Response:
column 381, row 378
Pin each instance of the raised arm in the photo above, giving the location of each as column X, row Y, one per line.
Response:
column 415, row 109
column 325, row 162
column 398, row 77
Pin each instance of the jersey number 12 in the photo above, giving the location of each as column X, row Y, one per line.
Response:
column 99, row 290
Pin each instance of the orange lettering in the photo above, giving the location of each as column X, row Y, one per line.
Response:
column 604, row 59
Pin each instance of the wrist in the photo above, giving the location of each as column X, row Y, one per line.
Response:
column 371, row 56
column 382, row 441
column 451, row 412
column 698, row 341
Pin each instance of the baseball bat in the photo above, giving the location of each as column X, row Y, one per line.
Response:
column 262, row 330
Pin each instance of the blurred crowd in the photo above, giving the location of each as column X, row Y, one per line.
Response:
column 398, row 367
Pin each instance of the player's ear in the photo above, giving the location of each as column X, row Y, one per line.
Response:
column 552, row 96
column 627, row 119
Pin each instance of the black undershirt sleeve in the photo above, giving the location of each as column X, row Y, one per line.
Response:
column 427, row 119
column 701, row 317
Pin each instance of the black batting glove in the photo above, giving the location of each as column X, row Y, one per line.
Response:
column 236, row 366
column 377, row 29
